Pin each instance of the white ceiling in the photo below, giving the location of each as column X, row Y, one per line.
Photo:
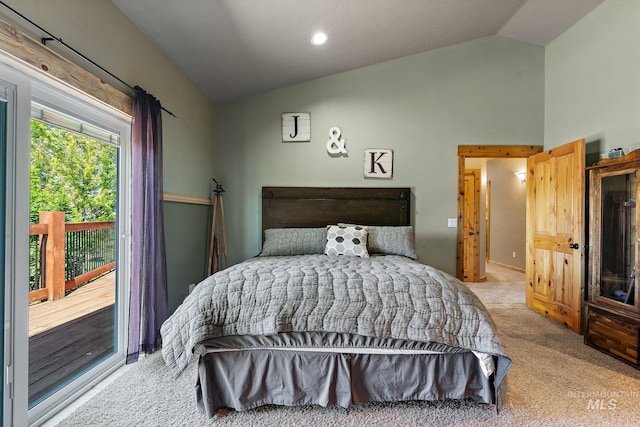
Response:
column 236, row 48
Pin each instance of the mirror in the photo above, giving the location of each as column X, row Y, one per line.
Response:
column 618, row 237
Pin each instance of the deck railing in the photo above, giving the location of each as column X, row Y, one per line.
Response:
column 66, row 255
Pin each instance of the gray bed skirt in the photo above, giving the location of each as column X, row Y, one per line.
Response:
column 245, row 379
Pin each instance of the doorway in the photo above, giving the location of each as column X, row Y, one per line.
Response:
column 50, row 377
column 499, row 250
column 506, row 219
column 467, row 155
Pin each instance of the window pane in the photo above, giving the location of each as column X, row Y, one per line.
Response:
column 73, row 202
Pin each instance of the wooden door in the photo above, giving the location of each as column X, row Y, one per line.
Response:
column 488, row 222
column 471, row 225
column 555, row 233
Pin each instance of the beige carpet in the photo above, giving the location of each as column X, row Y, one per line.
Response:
column 555, row 381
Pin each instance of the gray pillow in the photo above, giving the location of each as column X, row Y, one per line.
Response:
column 294, row 241
column 392, row 241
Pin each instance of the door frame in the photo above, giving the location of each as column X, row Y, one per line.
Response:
column 482, row 151
column 16, row 249
column 30, row 84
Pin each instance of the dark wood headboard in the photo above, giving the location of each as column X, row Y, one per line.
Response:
column 294, row 207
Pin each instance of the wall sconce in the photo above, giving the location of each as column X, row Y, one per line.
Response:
column 522, row 176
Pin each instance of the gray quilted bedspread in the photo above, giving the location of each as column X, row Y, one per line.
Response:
column 382, row 296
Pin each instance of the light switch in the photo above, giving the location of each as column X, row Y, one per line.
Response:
column 452, row 222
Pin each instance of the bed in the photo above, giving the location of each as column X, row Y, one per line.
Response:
column 335, row 311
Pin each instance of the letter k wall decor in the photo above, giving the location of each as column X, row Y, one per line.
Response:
column 296, row 127
column 378, row 163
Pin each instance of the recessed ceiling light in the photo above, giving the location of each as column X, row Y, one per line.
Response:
column 319, row 38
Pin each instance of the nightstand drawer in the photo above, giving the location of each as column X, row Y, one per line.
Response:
column 613, row 335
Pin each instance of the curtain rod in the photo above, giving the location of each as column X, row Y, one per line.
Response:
column 52, row 37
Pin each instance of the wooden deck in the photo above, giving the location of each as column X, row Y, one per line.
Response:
column 92, row 297
column 68, row 335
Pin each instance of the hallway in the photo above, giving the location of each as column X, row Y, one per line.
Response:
column 504, row 286
column 500, row 273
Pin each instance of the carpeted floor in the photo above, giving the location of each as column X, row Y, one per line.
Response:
column 555, row 381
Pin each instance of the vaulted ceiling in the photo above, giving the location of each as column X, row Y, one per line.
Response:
column 235, row 48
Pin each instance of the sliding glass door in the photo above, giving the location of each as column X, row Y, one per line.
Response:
column 72, row 247
column 69, row 293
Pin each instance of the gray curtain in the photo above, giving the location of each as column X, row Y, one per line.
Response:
column 148, row 298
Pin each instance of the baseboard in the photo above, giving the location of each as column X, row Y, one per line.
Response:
column 510, row 267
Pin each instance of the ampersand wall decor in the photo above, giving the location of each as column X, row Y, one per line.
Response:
column 336, row 144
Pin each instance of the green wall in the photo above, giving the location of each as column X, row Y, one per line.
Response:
column 593, row 80
column 489, row 91
column 186, row 247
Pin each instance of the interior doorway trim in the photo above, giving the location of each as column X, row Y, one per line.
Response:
column 482, row 151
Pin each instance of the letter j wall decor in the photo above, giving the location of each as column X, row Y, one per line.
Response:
column 296, row 127
column 378, row 163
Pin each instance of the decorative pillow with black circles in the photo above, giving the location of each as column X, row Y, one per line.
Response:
column 348, row 240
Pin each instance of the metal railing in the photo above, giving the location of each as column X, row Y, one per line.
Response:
column 63, row 255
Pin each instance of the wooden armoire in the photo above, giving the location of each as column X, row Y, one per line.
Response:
column 613, row 301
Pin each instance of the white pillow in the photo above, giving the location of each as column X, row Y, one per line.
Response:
column 349, row 240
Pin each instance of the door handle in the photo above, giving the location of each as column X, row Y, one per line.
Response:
column 574, row 246
column 471, row 233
